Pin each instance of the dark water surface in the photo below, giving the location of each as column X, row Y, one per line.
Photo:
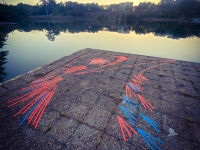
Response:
column 34, row 44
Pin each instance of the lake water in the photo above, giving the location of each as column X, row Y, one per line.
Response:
column 32, row 45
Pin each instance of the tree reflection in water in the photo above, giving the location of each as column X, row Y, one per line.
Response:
column 174, row 30
column 3, row 60
column 51, row 35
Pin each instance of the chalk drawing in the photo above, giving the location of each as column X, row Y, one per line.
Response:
column 37, row 96
column 98, row 61
column 125, row 126
column 74, row 69
column 134, row 89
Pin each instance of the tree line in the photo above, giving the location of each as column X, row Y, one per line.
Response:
column 184, row 8
column 46, row 7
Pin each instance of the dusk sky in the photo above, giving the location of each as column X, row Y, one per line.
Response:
column 100, row 2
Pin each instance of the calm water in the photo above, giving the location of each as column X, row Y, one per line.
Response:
column 31, row 45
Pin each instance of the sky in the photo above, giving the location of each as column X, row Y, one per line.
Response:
column 100, row 2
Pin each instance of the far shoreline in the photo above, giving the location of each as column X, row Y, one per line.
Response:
column 93, row 17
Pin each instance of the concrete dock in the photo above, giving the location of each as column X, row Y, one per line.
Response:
column 74, row 103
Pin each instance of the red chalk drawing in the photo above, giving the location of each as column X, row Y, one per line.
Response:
column 164, row 63
column 125, row 66
column 40, row 92
column 123, row 125
column 135, row 86
column 37, row 97
column 119, row 60
column 75, row 60
column 139, row 79
column 98, row 61
column 145, row 103
column 129, row 92
column 75, row 69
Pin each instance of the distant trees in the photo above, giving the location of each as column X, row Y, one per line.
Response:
column 74, row 9
column 24, row 9
column 12, row 13
column 46, row 7
column 117, row 18
column 45, row 4
column 131, row 18
column 145, row 6
column 93, row 7
column 184, row 8
column 49, row 5
column 113, row 7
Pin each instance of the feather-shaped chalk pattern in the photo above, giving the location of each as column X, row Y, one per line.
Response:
column 145, row 103
column 149, row 139
column 37, row 96
column 130, row 104
column 98, row 61
column 151, row 122
column 125, row 126
column 130, row 115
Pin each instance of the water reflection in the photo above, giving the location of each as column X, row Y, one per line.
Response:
column 172, row 30
column 3, row 60
column 51, row 35
column 27, row 52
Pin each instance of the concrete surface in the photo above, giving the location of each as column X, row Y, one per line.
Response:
column 83, row 111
